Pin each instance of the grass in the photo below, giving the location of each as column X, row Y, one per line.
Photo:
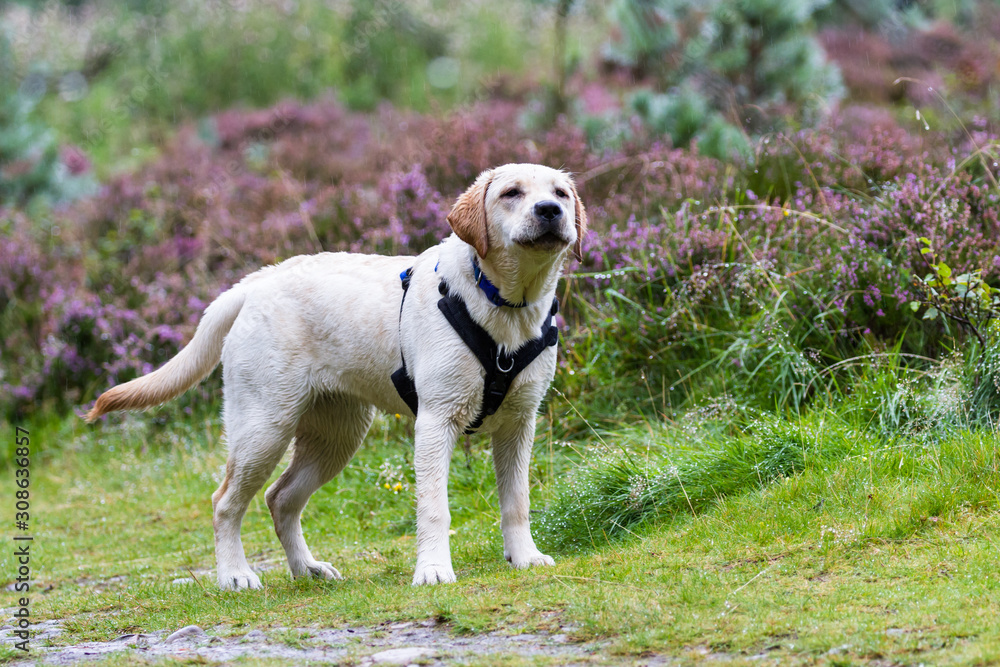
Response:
column 859, row 550
column 633, row 488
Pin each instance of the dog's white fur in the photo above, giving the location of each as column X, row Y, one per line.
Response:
column 308, row 347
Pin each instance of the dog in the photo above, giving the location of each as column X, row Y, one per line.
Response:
column 312, row 346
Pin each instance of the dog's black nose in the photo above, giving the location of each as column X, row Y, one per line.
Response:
column 549, row 211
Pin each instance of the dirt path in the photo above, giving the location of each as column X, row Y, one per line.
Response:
column 426, row 643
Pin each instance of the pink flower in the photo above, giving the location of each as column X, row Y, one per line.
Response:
column 75, row 160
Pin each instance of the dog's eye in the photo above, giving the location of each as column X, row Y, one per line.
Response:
column 513, row 192
column 561, row 193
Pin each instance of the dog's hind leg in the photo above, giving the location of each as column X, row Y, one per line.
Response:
column 257, row 439
column 328, row 434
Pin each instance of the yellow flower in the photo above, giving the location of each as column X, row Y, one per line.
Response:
column 786, row 212
column 387, row 485
column 398, row 487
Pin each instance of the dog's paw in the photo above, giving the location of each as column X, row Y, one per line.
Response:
column 433, row 574
column 238, row 580
column 322, row 570
column 533, row 559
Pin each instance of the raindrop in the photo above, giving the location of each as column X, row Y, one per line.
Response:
column 443, row 72
column 922, row 119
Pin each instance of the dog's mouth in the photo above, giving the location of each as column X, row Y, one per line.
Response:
column 548, row 241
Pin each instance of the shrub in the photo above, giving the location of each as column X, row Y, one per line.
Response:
column 33, row 168
column 387, row 52
column 755, row 291
column 724, row 65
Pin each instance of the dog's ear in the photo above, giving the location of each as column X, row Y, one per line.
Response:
column 580, row 216
column 468, row 215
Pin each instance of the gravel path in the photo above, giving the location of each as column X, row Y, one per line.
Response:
column 424, row 643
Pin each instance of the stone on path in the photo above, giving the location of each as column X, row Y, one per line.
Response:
column 402, row 656
column 189, row 633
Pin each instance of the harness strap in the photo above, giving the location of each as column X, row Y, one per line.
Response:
column 401, row 379
column 501, row 367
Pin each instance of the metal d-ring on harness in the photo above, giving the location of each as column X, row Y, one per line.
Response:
column 501, row 367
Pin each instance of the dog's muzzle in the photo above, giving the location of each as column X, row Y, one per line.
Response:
column 548, row 232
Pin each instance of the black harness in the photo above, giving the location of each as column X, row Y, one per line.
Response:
column 501, row 367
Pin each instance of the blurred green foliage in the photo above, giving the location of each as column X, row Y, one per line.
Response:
column 145, row 66
column 31, row 168
column 723, row 70
column 386, row 53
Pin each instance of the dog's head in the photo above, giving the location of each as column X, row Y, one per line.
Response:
column 526, row 206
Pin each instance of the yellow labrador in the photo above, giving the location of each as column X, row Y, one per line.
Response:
column 309, row 348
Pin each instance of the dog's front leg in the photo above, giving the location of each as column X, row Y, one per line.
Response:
column 434, row 441
column 511, row 458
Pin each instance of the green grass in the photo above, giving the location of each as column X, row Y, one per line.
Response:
column 917, row 478
column 872, row 549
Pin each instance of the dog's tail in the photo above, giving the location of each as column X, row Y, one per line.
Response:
column 185, row 370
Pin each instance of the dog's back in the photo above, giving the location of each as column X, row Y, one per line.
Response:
column 322, row 324
column 325, row 323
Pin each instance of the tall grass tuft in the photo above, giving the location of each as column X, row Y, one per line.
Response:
column 619, row 494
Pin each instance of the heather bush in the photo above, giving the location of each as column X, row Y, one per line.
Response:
column 700, row 277
column 31, row 267
column 758, row 293
column 921, row 61
column 65, row 340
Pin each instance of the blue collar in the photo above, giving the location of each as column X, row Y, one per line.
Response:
column 489, row 289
